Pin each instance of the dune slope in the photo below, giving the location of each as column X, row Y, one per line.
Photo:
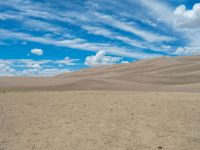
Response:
column 160, row 74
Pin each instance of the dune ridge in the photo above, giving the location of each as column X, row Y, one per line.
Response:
column 160, row 74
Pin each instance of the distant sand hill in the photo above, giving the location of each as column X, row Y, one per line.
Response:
column 160, row 74
column 105, row 116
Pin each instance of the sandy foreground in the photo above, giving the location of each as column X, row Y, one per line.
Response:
column 99, row 121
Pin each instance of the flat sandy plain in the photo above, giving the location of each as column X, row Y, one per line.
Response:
column 147, row 105
column 99, row 121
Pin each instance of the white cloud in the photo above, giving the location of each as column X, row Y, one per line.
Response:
column 66, row 61
column 27, row 10
column 43, row 26
column 100, row 59
column 159, row 10
column 146, row 35
column 33, row 65
column 184, row 18
column 188, row 51
column 85, row 19
column 187, row 23
column 2, row 66
column 109, row 34
column 37, row 51
column 5, row 70
column 28, row 67
column 75, row 44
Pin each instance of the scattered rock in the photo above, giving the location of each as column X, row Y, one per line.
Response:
column 3, row 91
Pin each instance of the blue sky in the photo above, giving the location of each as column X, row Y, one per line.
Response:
column 49, row 37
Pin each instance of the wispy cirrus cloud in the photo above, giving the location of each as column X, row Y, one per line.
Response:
column 146, row 35
column 75, row 44
column 125, row 28
column 161, row 10
column 112, row 35
column 26, row 9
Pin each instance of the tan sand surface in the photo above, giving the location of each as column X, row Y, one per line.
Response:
column 180, row 74
column 99, row 120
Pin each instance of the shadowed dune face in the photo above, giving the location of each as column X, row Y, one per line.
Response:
column 161, row 74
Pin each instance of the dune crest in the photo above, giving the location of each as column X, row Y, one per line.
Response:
column 160, row 74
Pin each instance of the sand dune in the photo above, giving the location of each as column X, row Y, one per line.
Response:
column 162, row 74
column 50, row 116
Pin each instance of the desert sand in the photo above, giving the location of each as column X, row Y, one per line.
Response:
column 99, row 121
column 147, row 105
column 181, row 74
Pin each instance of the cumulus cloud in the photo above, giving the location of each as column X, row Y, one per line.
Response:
column 188, row 51
column 8, row 71
column 28, row 67
column 100, row 59
column 5, row 70
column 187, row 18
column 37, row 51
